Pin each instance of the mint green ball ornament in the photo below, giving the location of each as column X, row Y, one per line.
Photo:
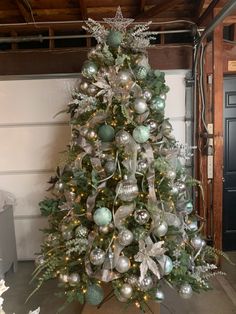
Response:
column 114, row 38
column 141, row 134
column 94, row 295
column 106, row 133
column 157, row 103
column 102, row 216
column 89, row 69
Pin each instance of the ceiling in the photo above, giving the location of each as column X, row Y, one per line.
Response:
column 65, row 17
column 26, row 11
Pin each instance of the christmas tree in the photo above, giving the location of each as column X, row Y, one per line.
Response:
column 121, row 209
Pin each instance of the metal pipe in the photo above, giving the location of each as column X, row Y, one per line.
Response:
column 226, row 10
column 35, row 24
column 41, row 38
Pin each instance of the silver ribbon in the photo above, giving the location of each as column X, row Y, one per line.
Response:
column 131, row 163
column 152, row 199
column 122, row 212
column 90, row 203
column 102, row 274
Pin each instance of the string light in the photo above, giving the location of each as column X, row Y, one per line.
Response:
column 137, row 304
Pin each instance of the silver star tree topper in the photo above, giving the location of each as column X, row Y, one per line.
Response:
column 118, row 22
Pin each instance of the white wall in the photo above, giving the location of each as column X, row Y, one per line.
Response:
column 31, row 140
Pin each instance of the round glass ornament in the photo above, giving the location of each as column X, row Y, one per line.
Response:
column 102, row 216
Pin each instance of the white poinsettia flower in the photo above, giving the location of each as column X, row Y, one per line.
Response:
column 37, row 311
column 3, row 287
column 147, row 250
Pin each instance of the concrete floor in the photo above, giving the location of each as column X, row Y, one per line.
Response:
column 221, row 300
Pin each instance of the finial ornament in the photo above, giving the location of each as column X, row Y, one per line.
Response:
column 118, row 22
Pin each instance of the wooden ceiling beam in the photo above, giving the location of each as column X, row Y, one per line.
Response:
column 161, row 6
column 199, row 8
column 142, row 5
column 83, row 9
column 208, row 13
column 24, row 11
column 70, row 60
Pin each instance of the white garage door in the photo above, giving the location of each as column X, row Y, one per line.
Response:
column 31, row 140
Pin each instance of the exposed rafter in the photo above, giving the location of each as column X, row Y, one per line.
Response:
column 161, row 6
column 24, row 11
column 199, row 8
column 208, row 13
column 83, row 9
column 142, row 5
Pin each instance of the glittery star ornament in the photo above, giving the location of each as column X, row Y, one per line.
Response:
column 118, row 22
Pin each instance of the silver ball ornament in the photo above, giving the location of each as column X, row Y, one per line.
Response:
column 152, row 125
column 60, row 186
column 92, row 53
column 110, row 166
column 123, row 264
column 121, row 298
column 133, row 281
column 92, row 90
column 142, row 166
column 147, row 94
column 122, row 138
column 125, row 237
column 99, row 47
column 181, row 187
column 196, row 242
column 161, row 229
column 162, row 96
column 192, row 225
column 104, row 229
column 203, row 243
column 39, row 261
column 167, row 264
column 67, row 234
column 186, row 291
column 174, row 190
column 83, row 86
column 146, row 284
column 64, row 278
column 159, row 296
column 89, row 69
column 126, row 291
column 97, row 256
column 74, row 279
column 140, row 105
column 81, row 231
column 171, row 174
column 127, row 190
column 91, row 135
column 141, row 216
column 124, row 77
column 176, row 222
